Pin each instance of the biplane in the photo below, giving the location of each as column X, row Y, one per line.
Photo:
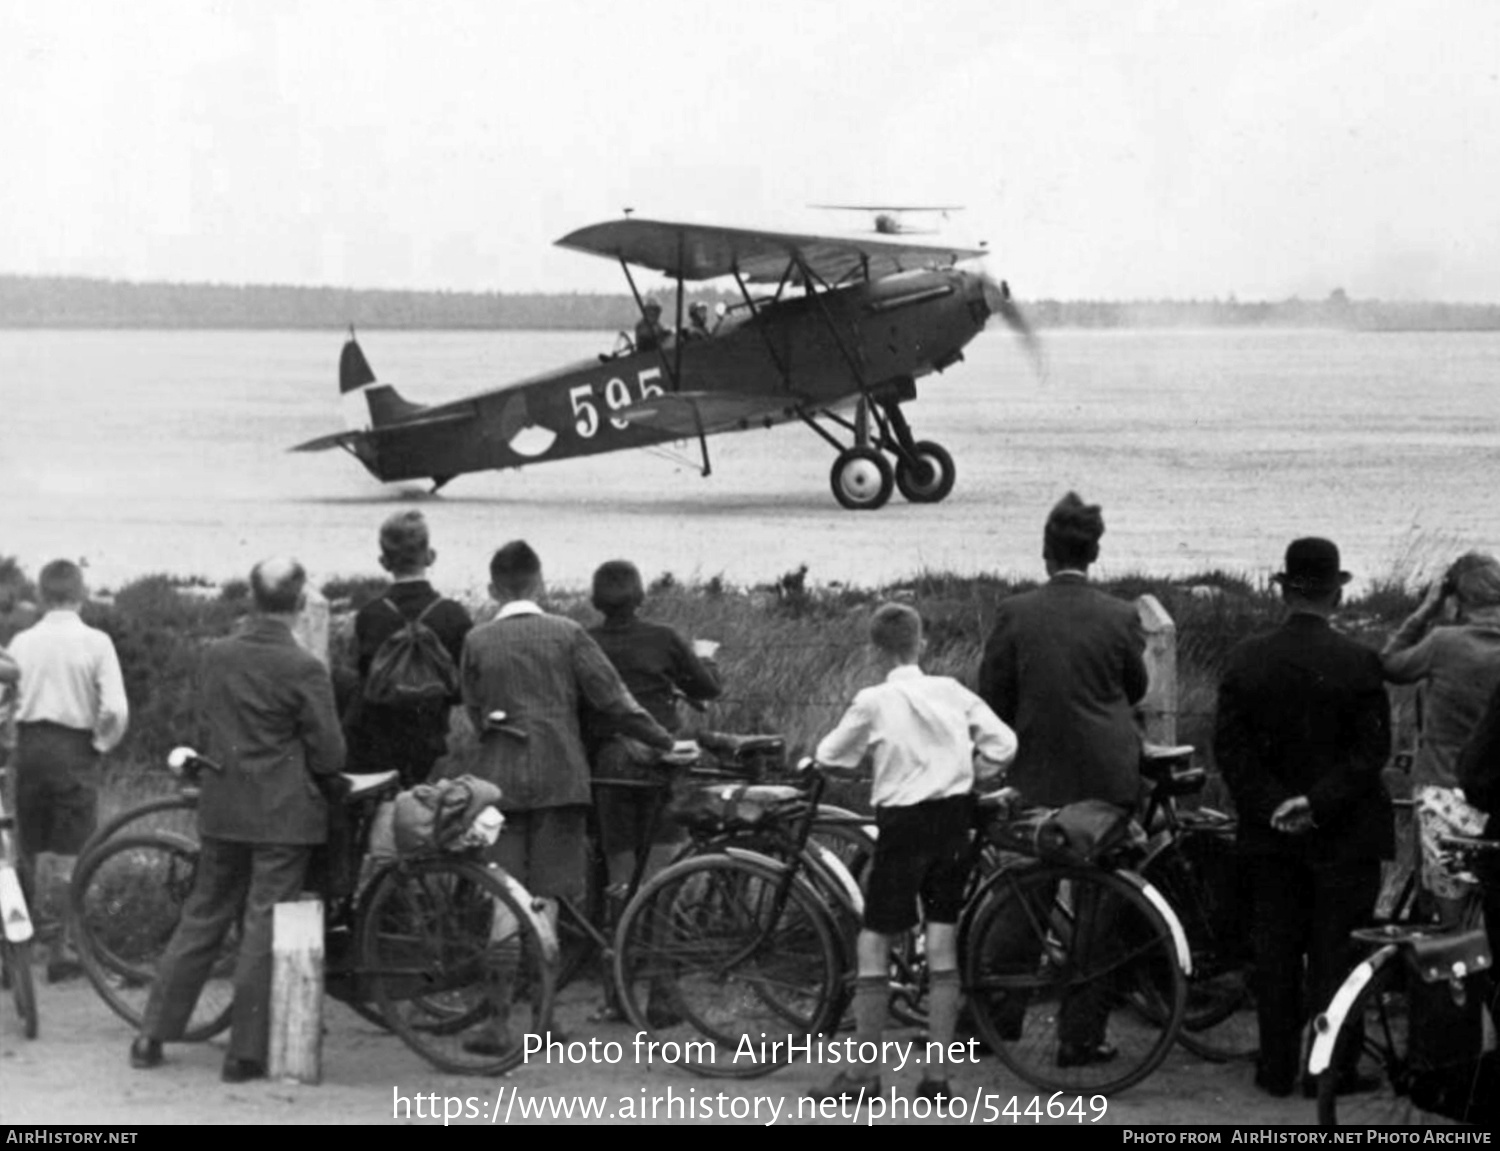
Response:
column 832, row 333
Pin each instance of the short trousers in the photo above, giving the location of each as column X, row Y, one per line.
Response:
column 57, row 788
column 921, row 851
column 546, row 849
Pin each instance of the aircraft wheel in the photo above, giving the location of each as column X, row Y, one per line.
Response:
column 931, row 479
column 862, row 479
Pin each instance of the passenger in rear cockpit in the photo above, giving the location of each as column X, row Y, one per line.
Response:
column 649, row 334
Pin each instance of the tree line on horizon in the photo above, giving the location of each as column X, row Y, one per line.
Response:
column 82, row 302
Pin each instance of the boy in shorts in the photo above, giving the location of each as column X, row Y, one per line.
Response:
column 928, row 737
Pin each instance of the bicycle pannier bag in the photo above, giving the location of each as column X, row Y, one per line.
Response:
column 412, row 667
column 437, row 816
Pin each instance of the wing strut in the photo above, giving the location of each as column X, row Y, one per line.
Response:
column 781, row 369
column 817, row 298
column 640, row 304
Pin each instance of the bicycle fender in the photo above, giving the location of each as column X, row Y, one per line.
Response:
column 1328, row 1023
column 775, row 864
column 13, row 914
column 753, row 857
column 544, row 929
column 841, row 875
column 1159, row 901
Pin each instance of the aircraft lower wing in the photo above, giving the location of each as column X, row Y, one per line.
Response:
column 686, row 414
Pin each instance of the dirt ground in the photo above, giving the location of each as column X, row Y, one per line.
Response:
column 76, row 1073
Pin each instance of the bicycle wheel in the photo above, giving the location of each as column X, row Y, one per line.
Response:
column 1413, row 1063
column 173, row 814
column 456, row 963
column 126, row 898
column 1051, row 956
column 719, row 953
column 1197, row 874
column 15, row 958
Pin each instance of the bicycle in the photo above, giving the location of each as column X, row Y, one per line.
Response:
column 1059, row 953
column 745, row 944
column 16, row 932
column 1398, row 1027
column 1191, row 860
column 436, row 946
column 716, row 816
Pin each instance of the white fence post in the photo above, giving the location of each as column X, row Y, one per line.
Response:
column 297, row 991
column 1160, row 705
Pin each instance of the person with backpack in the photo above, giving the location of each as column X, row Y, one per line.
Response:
column 409, row 643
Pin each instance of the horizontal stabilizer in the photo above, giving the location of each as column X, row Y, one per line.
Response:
column 323, row 443
column 686, row 414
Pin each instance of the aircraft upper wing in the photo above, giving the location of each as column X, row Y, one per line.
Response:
column 704, row 252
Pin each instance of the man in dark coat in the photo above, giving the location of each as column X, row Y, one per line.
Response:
column 1063, row 668
column 273, row 733
column 1302, row 733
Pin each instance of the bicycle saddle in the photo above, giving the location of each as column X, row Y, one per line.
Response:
column 741, row 744
column 366, row 784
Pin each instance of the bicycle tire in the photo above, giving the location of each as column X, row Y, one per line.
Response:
column 175, row 813
column 1412, row 1086
column 708, row 959
column 16, row 960
column 443, row 943
column 1195, row 872
column 126, row 900
column 1054, row 949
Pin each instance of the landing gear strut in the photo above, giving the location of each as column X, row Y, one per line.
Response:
column 924, row 470
column 863, row 478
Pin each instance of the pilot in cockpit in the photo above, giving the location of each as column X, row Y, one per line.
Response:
column 697, row 328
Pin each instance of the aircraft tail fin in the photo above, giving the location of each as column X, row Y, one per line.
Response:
column 368, row 404
column 354, row 369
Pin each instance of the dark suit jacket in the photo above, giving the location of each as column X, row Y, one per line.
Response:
column 1303, row 711
column 267, row 706
column 1063, row 668
column 537, row 668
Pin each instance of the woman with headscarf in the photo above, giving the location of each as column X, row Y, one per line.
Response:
column 1451, row 646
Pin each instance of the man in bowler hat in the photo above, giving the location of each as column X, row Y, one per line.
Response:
column 1302, row 733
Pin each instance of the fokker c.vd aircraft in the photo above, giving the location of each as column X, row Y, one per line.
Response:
column 836, row 338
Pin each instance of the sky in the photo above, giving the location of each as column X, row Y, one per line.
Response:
column 1101, row 148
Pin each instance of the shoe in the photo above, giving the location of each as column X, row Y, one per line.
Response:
column 1277, row 1087
column 933, row 1090
column 491, row 1046
column 62, row 970
column 1349, row 1083
column 1085, row 1054
column 241, row 1070
column 145, row 1053
column 847, row 1088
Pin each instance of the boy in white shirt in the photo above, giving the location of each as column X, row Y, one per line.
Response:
column 927, row 737
column 71, row 711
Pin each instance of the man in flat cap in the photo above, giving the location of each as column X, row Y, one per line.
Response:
column 1302, row 733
